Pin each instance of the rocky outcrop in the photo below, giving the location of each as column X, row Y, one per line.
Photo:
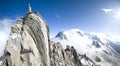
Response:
column 31, row 32
column 68, row 56
column 61, row 57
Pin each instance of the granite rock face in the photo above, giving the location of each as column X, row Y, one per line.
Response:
column 31, row 33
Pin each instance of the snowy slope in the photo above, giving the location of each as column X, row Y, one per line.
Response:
column 97, row 46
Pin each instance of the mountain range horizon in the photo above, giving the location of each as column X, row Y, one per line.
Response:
column 29, row 43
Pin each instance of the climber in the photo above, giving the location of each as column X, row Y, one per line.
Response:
column 67, row 48
column 73, row 51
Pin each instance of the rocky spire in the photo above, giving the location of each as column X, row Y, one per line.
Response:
column 29, row 8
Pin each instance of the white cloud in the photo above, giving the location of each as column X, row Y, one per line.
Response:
column 114, row 13
column 107, row 10
column 5, row 25
column 117, row 14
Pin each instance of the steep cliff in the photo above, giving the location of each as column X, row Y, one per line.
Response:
column 29, row 33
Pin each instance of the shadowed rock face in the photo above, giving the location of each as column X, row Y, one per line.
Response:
column 61, row 35
column 60, row 57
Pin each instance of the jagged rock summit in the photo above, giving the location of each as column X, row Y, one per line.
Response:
column 29, row 45
column 29, row 33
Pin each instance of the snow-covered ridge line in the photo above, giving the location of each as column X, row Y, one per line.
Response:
column 100, row 35
column 97, row 46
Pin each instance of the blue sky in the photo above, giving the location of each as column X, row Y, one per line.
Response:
column 102, row 16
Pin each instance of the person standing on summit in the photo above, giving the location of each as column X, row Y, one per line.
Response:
column 73, row 51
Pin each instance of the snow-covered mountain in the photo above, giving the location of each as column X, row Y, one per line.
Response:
column 101, row 48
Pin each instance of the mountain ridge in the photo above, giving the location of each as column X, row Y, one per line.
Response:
column 91, row 44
